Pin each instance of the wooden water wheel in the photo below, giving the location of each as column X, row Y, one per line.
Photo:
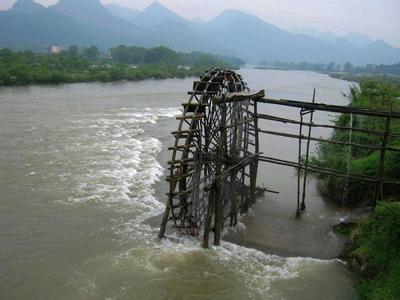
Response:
column 213, row 169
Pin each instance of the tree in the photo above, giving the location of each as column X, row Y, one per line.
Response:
column 348, row 67
column 331, row 67
column 92, row 52
column 73, row 50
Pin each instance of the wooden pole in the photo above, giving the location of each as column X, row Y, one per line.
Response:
column 303, row 203
column 207, row 224
column 299, row 164
column 219, row 182
column 379, row 184
column 233, row 215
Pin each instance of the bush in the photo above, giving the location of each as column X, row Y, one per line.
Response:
column 377, row 244
column 373, row 95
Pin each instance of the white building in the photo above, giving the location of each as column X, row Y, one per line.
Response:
column 54, row 49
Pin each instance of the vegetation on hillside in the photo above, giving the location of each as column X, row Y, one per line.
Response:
column 88, row 64
column 375, row 248
column 371, row 94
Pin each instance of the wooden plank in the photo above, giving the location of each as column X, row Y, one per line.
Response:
column 331, row 108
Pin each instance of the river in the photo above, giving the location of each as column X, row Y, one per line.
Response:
column 82, row 187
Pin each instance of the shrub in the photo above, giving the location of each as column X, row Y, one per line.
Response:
column 377, row 243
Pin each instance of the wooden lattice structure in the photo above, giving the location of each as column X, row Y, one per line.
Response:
column 213, row 170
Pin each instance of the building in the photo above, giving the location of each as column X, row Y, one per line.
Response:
column 54, row 49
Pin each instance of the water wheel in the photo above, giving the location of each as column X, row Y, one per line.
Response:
column 213, row 169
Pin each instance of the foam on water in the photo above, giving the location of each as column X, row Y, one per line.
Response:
column 121, row 170
column 120, row 160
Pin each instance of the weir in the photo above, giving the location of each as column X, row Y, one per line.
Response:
column 215, row 157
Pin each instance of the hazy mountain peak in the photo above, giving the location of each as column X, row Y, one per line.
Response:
column 83, row 9
column 380, row 43
column 80, row 5
column 231, row 18
column 358, row 39
column 198, row 21
column 155, row 14
column 233, row 13
column 122, row 12
column 26, row 6
column 326, row 36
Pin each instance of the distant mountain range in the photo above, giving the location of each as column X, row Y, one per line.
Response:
column 356, row 39
column 29, row 25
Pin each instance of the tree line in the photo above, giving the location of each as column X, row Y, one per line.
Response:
column 347, row 67
column 140, row 55
column 89, row 64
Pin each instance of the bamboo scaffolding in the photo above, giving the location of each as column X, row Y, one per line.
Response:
column 295, row 136
column 331, row 108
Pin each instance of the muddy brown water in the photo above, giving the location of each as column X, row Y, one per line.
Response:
column 81, row 174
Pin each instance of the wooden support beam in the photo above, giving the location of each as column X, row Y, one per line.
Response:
column 208, row 219
column 240, row 96
column 294, row 136
column 379, row 184
column 312, row 124
column 219, row 182
column 182, row 147
column 187, row 117
column 326, row 171
column 331, row 108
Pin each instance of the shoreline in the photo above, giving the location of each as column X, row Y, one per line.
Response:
column 99, row 81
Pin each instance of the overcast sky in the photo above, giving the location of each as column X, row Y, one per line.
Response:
column 379, row 19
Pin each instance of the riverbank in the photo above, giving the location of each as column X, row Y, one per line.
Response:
column 100, row 74
column 374, row 252
column 88, row 65
column 392, row 79
column 375, row 239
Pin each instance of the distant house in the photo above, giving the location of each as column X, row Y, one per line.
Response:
column 184, row 67
column 54, row 49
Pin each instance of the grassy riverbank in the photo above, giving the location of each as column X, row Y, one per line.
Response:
column 392, row 79
column 375, row 242
column 88, row 65
column 374, row 251
column 372, row 94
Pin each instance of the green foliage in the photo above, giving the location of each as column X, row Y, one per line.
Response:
column 22, row 68
column 306, row 66
column 162, row 55
column 91, row 52
column 370, row 94
column 389, row 71
column 377, row 247
column 73, row 51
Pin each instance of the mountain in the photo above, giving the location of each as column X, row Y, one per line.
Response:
column 122, row 12
column 27, row 7
column 169, row 29
column 108, row 29
column 85, row 11
column 155, row 14
column 358, row 39
column 255, row 39
column 231, row 33
column 327, row 36
column 28, row 25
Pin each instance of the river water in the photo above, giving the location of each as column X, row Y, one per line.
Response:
column 81, row 190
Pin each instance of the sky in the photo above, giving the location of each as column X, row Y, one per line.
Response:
column 378, row 19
